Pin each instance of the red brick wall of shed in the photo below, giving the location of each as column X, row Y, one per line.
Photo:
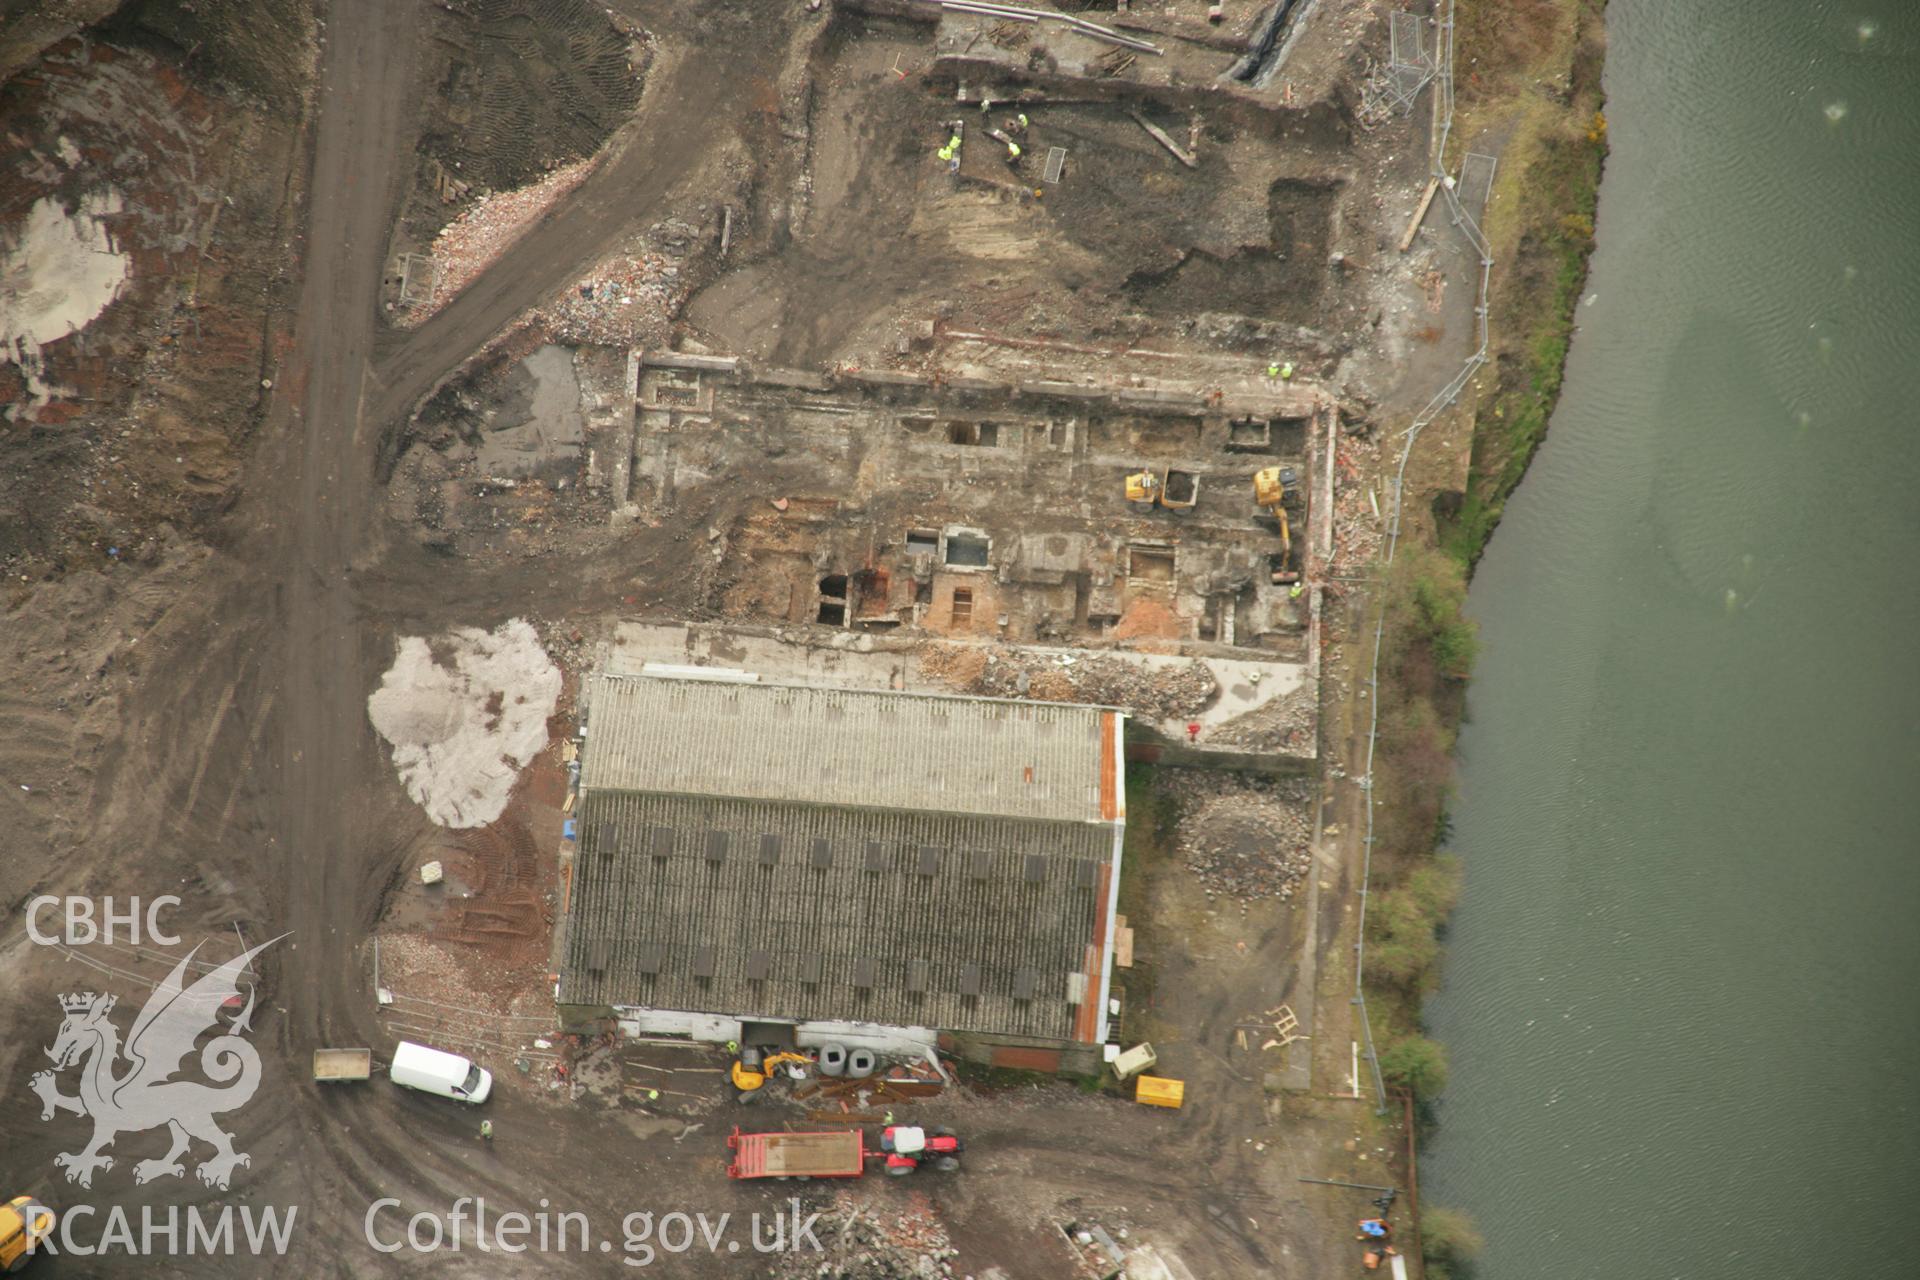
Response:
column 1006, row 1055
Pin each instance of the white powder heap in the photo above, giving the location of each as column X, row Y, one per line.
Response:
column 57, row 272
column 462, row 732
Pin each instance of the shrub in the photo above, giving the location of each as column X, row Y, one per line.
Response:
column 1448, row 1238
column 1401, row 947
column 1403, row 924
column 1428, row 601
column 1416, row 1063
column 1416, row 773
column 1436, row 887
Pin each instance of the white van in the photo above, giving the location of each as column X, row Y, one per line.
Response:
column 431, row 1071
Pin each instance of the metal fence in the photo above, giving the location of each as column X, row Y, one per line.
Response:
column 1410, row 65
column 1463, row 213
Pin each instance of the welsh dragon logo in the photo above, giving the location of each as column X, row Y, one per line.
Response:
column 132, row 1089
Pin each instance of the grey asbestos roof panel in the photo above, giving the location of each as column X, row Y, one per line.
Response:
column 639, row 925
column 870, row 748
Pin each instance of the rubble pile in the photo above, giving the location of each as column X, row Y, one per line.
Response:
column 876, row 1237
column 569, row 647
column 1144, row 692
column 1246, row 838
column 1285, row 726
column 435, row 991
column 957, row 664
column 1156, row 694
column 1357, row 532
column 631, row 297
column 484, row 232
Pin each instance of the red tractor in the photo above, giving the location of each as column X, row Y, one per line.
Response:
column 907, row 1147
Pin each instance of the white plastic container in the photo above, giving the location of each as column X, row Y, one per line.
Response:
column 1134, row 1061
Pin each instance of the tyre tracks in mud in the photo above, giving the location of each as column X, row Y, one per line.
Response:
column 309, row 607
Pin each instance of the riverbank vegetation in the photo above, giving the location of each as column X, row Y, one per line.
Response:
column 1528, row 88
column 1449, row 1242
column 1429, row 652
column 1535, row 71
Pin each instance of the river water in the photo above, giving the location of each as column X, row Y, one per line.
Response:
column 1682, row 996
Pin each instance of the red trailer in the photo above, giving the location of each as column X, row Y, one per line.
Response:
column 837, row 1154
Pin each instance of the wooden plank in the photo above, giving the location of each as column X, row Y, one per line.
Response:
column 1159, row 135
column 631, row 1087
column 1123, row 947
column 878, row 1088
column 909, row 1089
column 1419, row 214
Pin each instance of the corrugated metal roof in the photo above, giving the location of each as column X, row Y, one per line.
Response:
column 843, row 747
column 1005, row 907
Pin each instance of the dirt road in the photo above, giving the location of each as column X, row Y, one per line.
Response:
column 326, row 484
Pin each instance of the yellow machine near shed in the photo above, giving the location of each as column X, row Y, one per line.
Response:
column 24, row 1223
column 752, row 1069
column 1158, row 1091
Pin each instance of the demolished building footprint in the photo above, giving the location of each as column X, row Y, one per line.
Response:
column 464, row 713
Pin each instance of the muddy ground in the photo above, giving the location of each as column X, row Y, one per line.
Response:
column 208, row 568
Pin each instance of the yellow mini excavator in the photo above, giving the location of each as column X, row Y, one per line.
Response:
column 1173, row 489
column 753, row 1069
column 1143, row 487
column 1272, row 488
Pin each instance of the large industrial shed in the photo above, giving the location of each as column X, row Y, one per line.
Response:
column 859, row 866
